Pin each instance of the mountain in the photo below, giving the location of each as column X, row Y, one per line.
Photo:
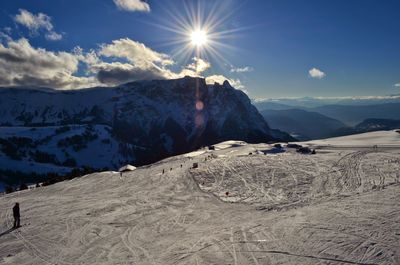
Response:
column 270, row 105
column 46, row 130
column 334, row 120
column 302, row 124
column 369, row 125
column 311, row 102
column 353, row 115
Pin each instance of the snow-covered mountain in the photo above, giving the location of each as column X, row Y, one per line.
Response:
column 138, row 122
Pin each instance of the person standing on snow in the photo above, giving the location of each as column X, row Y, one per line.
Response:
column 16, row 215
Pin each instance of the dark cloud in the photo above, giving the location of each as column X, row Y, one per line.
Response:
column 115, row 74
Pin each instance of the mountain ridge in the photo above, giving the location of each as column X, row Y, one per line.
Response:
column 138, row 122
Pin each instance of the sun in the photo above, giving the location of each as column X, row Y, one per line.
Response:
column 201, row 30
column 198, row 37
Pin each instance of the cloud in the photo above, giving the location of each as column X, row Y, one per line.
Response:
column 132, row 5
column 135, row 52
column 236, row 83
column 33, row 22
column 4, row 37
column 196, row 68
column 316, row 73
column 54, row 36
column 115, row 63
column 142, row 63
column 37, row 22
column 397, row 85
column 23, row 65
column 242, row 69
column 118, row 73
column 199, row 65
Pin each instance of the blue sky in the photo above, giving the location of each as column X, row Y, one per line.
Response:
column 268, row 48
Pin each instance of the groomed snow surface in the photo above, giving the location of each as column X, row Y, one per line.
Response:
column 244, row 204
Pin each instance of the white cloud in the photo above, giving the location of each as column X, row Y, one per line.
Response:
column 37, row 22
column 199, row 65
column 236, row 83
column 142, row 63
column 54, row 36
column 196, row 68
column 135, row 52
column 397, row 85
column 22, row 64
column 316, row 73
column 242, row 69
column 132, row 5
column 4, row 37
column 118, row 62
column 34, row 22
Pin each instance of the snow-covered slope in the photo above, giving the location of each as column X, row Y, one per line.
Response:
column 94, row 147
column 379, row 138
column 243, row 204
column 138, row 122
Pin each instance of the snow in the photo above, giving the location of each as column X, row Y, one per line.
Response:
column 96, row 155
column 195, row 153
column 339, row 206
column 228, row 144
column 380, row 138
column 127, row 168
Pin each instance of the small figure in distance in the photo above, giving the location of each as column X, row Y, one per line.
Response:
column 16, row 215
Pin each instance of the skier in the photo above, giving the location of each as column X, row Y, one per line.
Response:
column 16, row 215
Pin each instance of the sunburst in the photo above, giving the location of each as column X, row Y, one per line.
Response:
column 198, row 37
column 202, row 34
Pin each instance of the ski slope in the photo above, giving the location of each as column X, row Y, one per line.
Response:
column 244, row 204
column 380, row 138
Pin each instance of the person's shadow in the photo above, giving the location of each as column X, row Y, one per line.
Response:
column 7, row 232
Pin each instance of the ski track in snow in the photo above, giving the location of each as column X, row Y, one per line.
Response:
column 339, row 206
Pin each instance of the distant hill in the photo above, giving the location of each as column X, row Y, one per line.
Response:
column 369, row 125
column 302, row 124
column 264, row 105
column 312, row 102
column 352, row 115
